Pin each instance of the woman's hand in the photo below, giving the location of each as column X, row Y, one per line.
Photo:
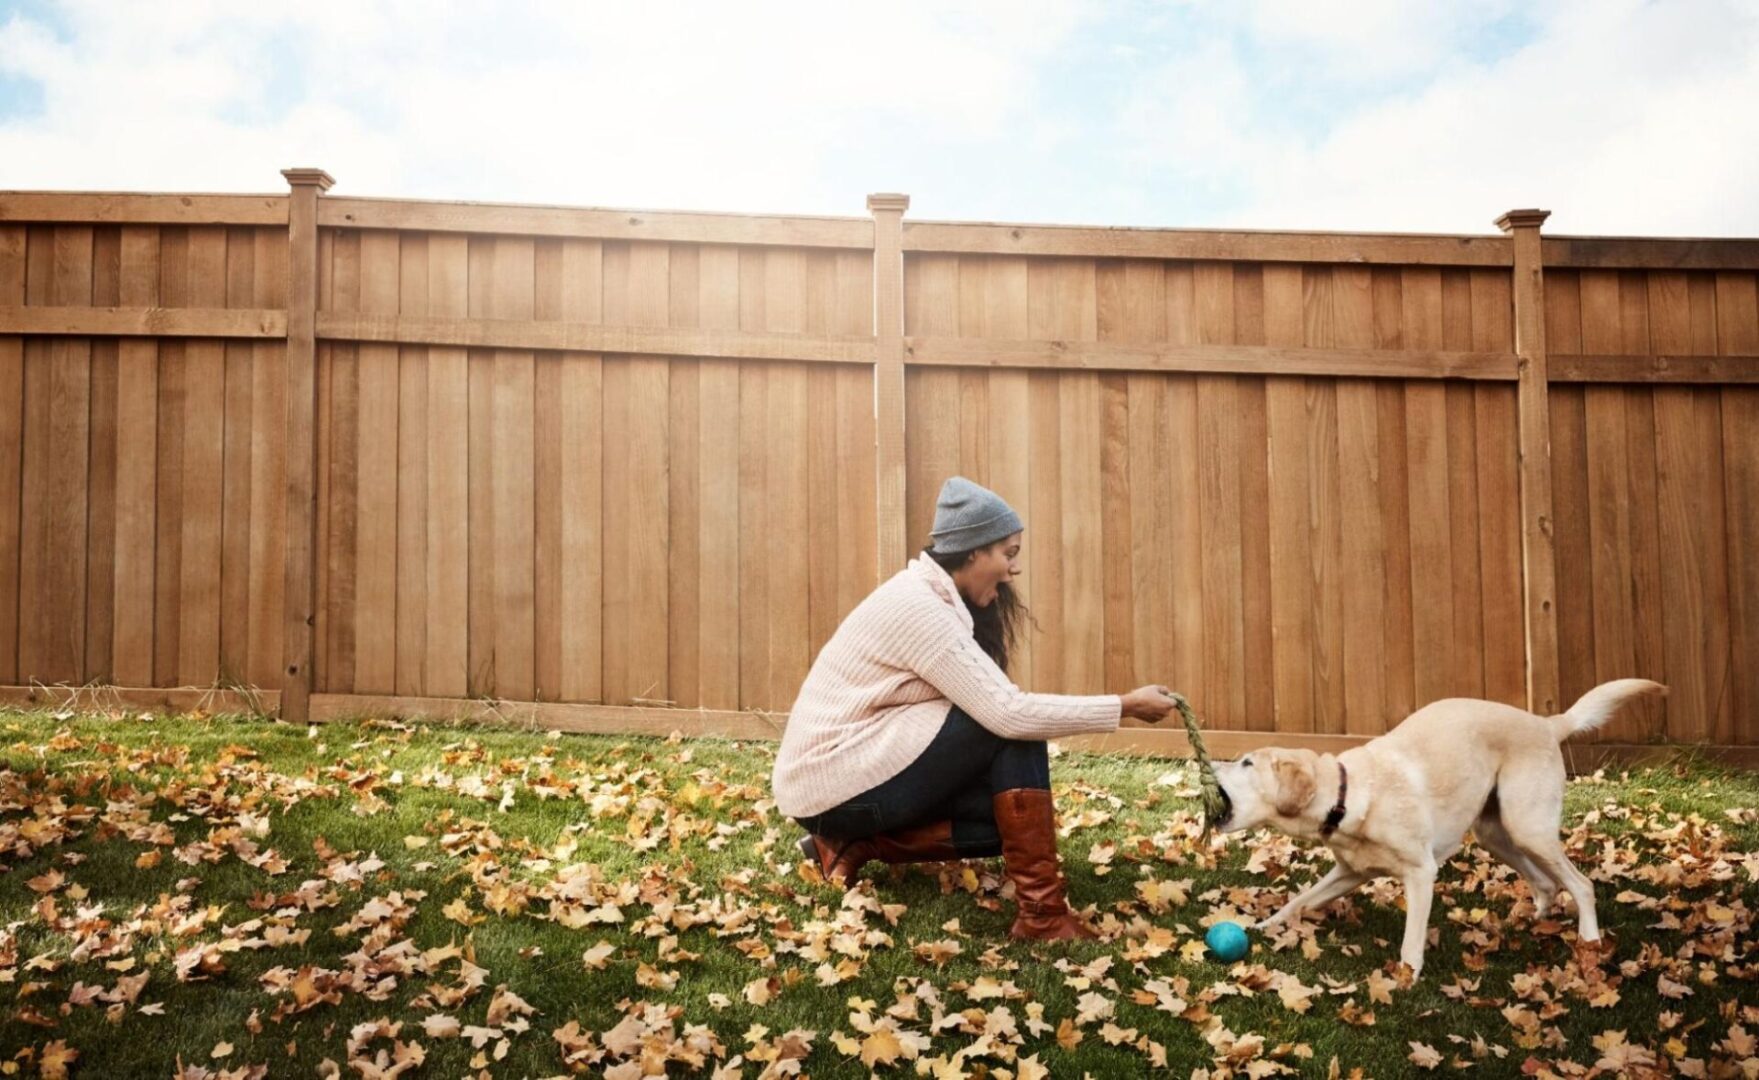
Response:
column 1150, row 703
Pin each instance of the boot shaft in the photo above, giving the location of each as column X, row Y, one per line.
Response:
column 1027, row 821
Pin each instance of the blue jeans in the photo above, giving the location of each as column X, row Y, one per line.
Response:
column 956, row 778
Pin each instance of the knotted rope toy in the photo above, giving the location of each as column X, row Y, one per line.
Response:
column 1214, row 802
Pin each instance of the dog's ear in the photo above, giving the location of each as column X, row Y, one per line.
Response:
column 1295, row 783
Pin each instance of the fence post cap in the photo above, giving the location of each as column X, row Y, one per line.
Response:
column 887, row 200
column 303, row 177
column 1522, row 219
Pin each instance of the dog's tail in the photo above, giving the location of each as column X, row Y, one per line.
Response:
column 1597, row 706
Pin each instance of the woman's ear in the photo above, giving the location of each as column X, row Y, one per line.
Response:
column 1295, row 783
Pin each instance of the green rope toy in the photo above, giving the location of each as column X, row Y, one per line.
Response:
column 1213, row 803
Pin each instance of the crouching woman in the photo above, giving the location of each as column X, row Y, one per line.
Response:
column 908, row 741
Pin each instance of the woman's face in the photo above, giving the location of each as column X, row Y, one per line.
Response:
column 989, row 568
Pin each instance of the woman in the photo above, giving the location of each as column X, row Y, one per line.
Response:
column 909, row 743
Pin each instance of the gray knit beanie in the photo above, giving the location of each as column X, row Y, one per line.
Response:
column 968, row 516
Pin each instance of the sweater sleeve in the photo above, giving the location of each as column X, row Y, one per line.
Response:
column 956, row 665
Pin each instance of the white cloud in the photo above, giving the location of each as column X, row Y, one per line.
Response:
column 1370, row 39
column 655, row 105
column 1621, row 116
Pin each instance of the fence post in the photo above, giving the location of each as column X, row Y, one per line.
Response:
column 888, row 375
column 1538, row 556
column 300, row 600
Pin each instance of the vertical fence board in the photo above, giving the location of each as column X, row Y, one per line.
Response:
column 1006, row 315
column 341, row 599
column 200, row 571
column 34, row 487
column 1737, row 333
column 1432, row 590
column 1361, row 538
column 236, row 503
column 512, row 296
column 137, row 429
column 720, row 602
column 323, row 378
column 12, row 434
column 100, row 560
column 481, row 678
column 1291, row 558
column 450, row 435
column 376, row 491
column 411, row 522
column 1609, row 471
column 61, row 586
column 268, row 463
column 684, row 579
column 1321, row 329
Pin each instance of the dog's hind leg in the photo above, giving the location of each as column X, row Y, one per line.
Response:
column 1548, row 852
column 1495, row 839
column 1532, row 825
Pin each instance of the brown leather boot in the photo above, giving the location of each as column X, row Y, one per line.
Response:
column 838, row 860
column 1027, row 820
column 931, row 842
column 841, row 860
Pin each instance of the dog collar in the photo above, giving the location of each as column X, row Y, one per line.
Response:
column 1336, row 817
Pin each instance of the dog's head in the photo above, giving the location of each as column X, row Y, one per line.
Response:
column 1266, row 787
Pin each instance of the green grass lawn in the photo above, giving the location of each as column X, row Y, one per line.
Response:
column 231, row 896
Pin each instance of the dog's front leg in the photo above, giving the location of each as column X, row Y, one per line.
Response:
column 1336, row 883
column 1419, row 884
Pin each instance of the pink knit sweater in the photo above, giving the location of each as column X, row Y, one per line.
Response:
column 882, row 685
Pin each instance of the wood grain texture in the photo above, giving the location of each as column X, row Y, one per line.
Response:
column 570, row 456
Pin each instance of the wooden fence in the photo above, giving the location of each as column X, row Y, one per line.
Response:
column 438, row 458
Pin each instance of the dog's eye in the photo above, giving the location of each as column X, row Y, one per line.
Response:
column 1246, row 763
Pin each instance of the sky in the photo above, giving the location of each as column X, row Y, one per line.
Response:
column 1621, row 117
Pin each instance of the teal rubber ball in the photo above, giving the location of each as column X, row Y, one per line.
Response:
column 1227, row 941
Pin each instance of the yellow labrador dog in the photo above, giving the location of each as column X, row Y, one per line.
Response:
column 1401, row 804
